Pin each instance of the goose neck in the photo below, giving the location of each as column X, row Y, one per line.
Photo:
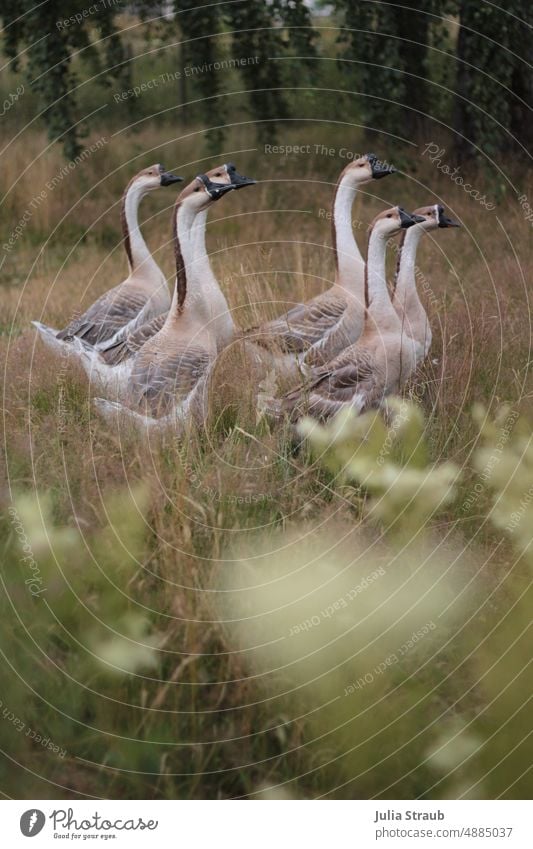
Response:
column 377, row 298
column 184, row 253
column 140, row 260
column 348, row 260
column 198, row 238
column 406, row 267
column 215, row 306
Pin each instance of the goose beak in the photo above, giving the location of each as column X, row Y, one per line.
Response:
column 167, row 177
column 418, row 219
column 408, row 220
column 215, row 190
column 379, row 169
column 444, row 221
column 238, row 181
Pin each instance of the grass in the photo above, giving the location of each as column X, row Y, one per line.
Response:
column 142, row 540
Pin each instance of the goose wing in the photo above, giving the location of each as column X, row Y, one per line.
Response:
column 302, row 326
column 116, row 352
column 353, row 379
column 160, row 380
column 107, row 315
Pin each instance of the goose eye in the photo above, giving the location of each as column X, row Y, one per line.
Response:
column 218, row 174
column 389, row 215
column 197, row 189
column 361, row 165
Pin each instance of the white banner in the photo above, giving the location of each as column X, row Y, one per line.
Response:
column 267, row 824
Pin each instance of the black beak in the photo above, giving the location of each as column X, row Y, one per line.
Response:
column 379, row 169
column 418, row 219
column 215, row 190
column 444, row 221
column 406, row 219
column 167, row 177
column 238, row 181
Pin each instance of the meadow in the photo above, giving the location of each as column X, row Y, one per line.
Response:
column 177, row 641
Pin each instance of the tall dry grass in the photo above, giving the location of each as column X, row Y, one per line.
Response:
column 237, row 482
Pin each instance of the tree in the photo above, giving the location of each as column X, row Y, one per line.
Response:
column 51, row 32
column 199, row 26
column 257, row 39
column 295, row 17
column 389, row 46
column 493, row 78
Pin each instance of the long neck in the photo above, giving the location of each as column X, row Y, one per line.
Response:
column 405, row 297
column 221, row 321
column 184, row 253
column 349, row 262
column 405, row 282
column 141, row 261
column 377, row 297
column 202, row 265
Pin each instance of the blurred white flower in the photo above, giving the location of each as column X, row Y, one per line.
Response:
column 510, row 461
column 32, row 519
column 389, row 459
column 132, row 651
column 453, row 746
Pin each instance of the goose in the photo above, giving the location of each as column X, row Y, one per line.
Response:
column 122, row 347
column 142, row 295
column 169, row 373
column 110, row 366
column 405, row 298
column 383, row 357
column 316, row 331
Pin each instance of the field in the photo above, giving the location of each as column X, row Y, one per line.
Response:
column 164, row 651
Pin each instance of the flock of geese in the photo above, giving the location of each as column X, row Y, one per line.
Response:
column 153, row 354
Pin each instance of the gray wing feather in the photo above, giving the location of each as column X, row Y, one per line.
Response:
column 117, row 352
column 352, row 376
column 302, row 326
column 106, row 316
column 161, row 381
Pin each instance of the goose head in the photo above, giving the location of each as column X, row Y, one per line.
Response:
column 238, row 181
column 202, row 191
column 228, row 173
column 367, row 168
column 434, row 217
column 393, row 221
column 154, row 177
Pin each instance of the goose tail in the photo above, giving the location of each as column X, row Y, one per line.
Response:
column 49, row 336
column 86, row 355
column 114, row 411
column 44, row 328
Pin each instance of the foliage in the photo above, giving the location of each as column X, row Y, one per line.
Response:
column 199, row 26
column 49, row 56
column 254, row 36
column 460, row 63
column 390, row 56
column 493, row 52
column 297, row 17
column 361, row 634
column 390, row 461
